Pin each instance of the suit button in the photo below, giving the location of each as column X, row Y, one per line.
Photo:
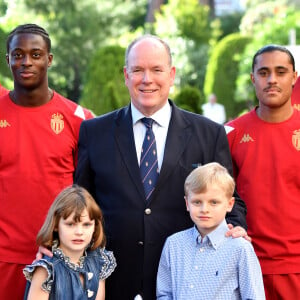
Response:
column 140, row 243
column 147, row 211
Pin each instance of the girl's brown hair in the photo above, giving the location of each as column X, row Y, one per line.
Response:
column 72, row 199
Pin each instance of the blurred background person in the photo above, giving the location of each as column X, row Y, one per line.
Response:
column 213, row 110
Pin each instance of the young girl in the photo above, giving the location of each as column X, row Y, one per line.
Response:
column 80, row 264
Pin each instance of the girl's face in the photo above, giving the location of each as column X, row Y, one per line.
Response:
column 74, row 236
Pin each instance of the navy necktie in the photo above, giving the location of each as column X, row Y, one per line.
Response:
column 148, row 163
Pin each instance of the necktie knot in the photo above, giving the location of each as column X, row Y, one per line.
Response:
column 148, row 122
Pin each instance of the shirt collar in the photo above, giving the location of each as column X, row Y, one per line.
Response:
column 216, row 237
column 161, row 117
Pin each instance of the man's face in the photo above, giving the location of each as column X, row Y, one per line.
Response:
column 149, row 75
column 28, row 59
column 273, row 79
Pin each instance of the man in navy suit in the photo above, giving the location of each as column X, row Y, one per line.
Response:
column 108, row 166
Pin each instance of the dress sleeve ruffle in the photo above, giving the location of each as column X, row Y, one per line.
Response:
column 106, row 261
column 48, row 266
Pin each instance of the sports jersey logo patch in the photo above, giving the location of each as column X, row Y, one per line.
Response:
column 57, row 123
column 246, row 138
column 296, row 139
column 4, row 123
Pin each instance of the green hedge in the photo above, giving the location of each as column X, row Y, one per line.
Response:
column 222, row 71
column 104, row 89
column 189, row 98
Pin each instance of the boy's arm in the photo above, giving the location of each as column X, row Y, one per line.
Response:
column 164, row 276
column 249, row 274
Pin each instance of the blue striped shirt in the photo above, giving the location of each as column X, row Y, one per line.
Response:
column 215, row 267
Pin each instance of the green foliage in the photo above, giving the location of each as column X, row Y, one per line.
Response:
column 193, row 21
column 4, row 70
column 104, row 88
column 222, row 71
column 3, row 7
column 186, row 26
column 230, row 23
column 78, row 29
column 274, row 29
column 189, row 98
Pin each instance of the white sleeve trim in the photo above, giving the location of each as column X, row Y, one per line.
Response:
column 79, row 112
column 228, row 128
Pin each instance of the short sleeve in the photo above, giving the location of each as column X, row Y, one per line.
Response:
column 104, row 261
column 48, row 266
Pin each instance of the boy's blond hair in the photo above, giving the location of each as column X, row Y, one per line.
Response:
column 204, row 176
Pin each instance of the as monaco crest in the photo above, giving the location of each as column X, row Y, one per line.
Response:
column 296, row 139
column 57, row 123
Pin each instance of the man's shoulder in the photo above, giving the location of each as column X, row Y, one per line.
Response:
column 239, row 122
column 192, row 116
column 108, row 118
column 72, row 108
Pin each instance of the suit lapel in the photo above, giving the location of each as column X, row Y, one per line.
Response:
column 179, row 133
column 126, row 145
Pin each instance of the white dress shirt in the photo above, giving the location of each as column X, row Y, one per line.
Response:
column 160, row 130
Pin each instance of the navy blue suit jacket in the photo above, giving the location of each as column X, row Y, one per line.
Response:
column 136, row 229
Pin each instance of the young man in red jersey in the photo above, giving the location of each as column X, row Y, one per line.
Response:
column 39, row 132
column 265, row 149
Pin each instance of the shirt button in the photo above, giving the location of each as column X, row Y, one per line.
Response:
column 201, row 249
column 148, row 211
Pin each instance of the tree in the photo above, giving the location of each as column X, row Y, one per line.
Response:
column 222, row 71
column 153, row 7
column 277, row 20
column 189, row 98
column 78, row 29
column 104, row 88
column 186, row 25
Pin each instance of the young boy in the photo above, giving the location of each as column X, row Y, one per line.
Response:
column 200, row 262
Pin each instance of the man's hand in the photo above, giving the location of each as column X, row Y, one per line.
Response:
column 43, row 251
column 237, row 231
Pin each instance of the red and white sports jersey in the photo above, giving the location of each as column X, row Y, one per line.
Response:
column 266, row 162
column 3, row 90
column 38, row 151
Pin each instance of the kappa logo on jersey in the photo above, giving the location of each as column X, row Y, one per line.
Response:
column 296, row 139
column 57, row 123
column 4, row 124
column 246, row 138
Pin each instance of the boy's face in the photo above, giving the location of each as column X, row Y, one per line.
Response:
column 208, row 209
